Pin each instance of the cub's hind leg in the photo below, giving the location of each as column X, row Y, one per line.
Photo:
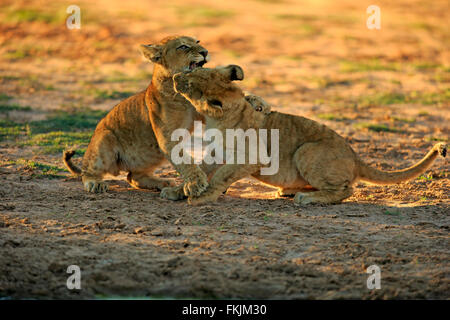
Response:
column 101, row 158
column 222, row 179
column 145, row 180
column 330, row 196
column 173, row 193
column 291, row 192
column 287, row 192
column 327, row 167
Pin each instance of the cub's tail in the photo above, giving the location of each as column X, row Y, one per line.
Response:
column 376, row 176
column 67, row 156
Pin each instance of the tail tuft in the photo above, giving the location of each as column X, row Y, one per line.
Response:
column 67, row 156
column 442, row 149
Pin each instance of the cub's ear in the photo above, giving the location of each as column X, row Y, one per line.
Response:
column 233, row 72
column 236, row 72
column 151, row 52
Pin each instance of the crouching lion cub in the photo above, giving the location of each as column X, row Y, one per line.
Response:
column 135, row 135
column 310, row 154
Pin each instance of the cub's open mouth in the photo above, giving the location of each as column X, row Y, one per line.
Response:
column 194, row 64
column 215, row 103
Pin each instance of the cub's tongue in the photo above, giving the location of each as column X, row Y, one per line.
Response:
column 194, row 65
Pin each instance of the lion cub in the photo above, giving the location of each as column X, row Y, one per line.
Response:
column 310, row 154
column 258, row 103
column 135, row 135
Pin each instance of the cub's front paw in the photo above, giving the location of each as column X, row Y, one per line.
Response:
column 95, row 186
column 303, row 198
column 194, row 188
column 173, row 193
column 282, row 193
column 203, row 199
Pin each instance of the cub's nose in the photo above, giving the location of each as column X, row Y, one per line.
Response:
column 204, row 53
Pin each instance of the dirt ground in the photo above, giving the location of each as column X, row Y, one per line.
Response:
column 387, row 91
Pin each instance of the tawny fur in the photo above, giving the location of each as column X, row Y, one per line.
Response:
column 134, row 136
column 311, row 155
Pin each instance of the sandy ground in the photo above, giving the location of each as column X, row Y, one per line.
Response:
column 386, row 91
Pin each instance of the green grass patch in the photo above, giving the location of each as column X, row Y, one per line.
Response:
column 369, row 65
column 431, row 98
column 232, row 53
column 119, row 77
column 10, row 130
column 341, row 19
column 27, row 51
column 291, row 57
column 56, row 142
column 427, row 177
column 392, row 212
column 441, row 77
column 110, row 94
column 38, row 169
column 306, row 30
column 4, row 97
column 30, row 81
column 67, row 121
column 424, row 98
column 395, row 81
column 422, row 26
column 267, row 216
column 59, row 131
column 435, row 139
column 17, row 54
column 295, row 17
column 22, row 15
column 210, row 12
column 381, row 99
column 9, row 78
column 10, row 107
column 405, row 120
column 331, row 116
column 423, row 66
column 375, row 127
column 326, row 82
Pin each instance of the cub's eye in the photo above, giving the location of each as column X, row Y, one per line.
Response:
column 183, row 47
column 215, row 103
column 259, row 109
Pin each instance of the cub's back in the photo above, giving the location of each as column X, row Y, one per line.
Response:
column 129, row 121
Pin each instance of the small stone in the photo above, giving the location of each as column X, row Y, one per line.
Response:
column 156, row 233
column 4, row 224
column 138, row 230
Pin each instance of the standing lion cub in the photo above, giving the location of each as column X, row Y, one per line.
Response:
column 310, row 154
column 135, row 135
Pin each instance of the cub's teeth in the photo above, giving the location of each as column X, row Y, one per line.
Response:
column 191, row 65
